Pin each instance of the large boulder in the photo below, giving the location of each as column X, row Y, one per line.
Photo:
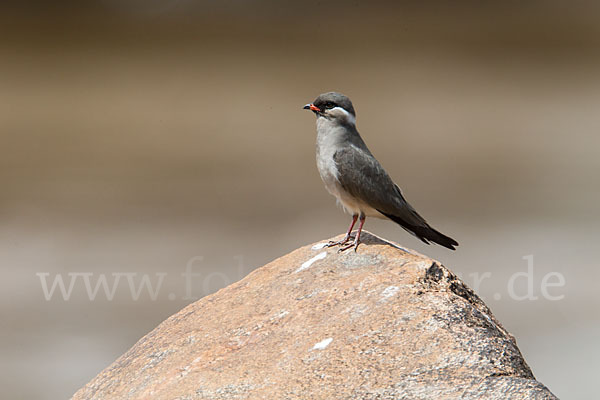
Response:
column 382, row 323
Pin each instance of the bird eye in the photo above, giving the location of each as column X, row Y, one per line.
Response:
column 329, row 105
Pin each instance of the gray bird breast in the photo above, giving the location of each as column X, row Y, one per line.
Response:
column 332, row 137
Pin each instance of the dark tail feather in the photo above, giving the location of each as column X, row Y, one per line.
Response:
column 425, row 232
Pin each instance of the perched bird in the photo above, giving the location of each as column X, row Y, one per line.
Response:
column 353, row 175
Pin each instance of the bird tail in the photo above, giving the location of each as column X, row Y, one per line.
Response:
column 423, row 231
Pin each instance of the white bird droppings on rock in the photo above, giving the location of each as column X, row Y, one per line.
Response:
column 310, row 262
column 319, row 246
column 322, row 345
column 389, row 291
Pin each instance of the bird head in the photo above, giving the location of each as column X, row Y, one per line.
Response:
column 333, row 106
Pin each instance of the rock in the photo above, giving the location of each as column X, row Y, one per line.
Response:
column 383, row 323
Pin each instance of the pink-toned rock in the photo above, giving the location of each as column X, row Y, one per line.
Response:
column 383, row 323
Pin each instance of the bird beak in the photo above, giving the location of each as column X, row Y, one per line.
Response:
column 312, row 107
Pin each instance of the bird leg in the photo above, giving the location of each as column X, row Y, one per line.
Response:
column 357, row 238
column 348, row 236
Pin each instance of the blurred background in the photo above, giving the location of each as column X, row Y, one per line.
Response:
column 147, row 137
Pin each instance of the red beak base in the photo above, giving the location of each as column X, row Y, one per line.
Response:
column 312, row 107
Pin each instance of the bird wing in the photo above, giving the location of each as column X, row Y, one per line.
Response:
column 361, row 175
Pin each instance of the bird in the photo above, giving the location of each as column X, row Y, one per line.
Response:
column 353, row 175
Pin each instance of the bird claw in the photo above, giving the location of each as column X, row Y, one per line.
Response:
column 340, row 242
column 349, row 246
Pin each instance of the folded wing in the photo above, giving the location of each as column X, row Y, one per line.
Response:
column 361, row 175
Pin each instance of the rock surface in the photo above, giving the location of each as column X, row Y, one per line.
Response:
column 383, row 323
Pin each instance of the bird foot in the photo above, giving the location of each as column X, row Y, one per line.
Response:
column 354, row 244
column 340, row 242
